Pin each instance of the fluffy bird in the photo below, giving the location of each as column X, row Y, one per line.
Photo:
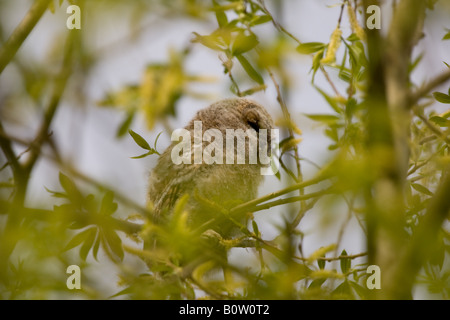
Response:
column 224, row 184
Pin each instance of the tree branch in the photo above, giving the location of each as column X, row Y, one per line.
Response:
column 44, row 214
column 297, row 186
column 418, row 250
column 427, row 87
column 58, row 90
column 9, row 49
column 279, row 202
column 6, row 146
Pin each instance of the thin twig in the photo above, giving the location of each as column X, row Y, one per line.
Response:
column 327, row 77
column 276, row 24
column 6, row 146
column 342, row 11
column 291, row 200
column 352, row 256
column 426, row 88
column 58, row 90
column 433, row 128
column 424, row 162
column 350, row 204
column 294, row 187
column 14, row 42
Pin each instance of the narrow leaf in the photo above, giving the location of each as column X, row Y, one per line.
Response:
column 447, row 36
column 143, row 155
column 211, row 41
column 114, row 243
column 221, row 16
column 125, row 125
column 344, row 290
column 310, row 47
column 250, row 70
column 441, row 97
column 321, row 263
column 316, row 63
column 326, row 118
column 80, row 238
column 156, row 140
column 108, row 205
column 244, row 43
column 87, row 245
column 71, row 189
column 96, row 247
column 260, row 20
column 139, row 140
column 346, row 263
column 421, row 188
column 331, row 101
column 440, row 121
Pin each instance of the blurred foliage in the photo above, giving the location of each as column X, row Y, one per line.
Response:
column 156, row 96
column 85, row 223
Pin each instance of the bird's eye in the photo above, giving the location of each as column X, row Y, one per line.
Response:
column 254, row 125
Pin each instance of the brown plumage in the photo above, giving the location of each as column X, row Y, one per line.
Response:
column 224, row 184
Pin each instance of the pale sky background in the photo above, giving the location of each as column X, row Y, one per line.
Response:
column 86, row 133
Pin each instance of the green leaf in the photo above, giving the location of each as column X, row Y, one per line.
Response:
column 363, row 292
column 351, row 107
column 310, row 47
column 144, row 144
column 440, row 121
column 255, row 228
column 56, row 194
column 333, row 147
column 357, row 55
column 345, row 75
column 156, row 140
column 441, row 97
column 346, row 263
column 321, row 263
column 331, row 101
column 125, row 125
column 71, row 189
column 96, row 247
column 51, row 7
column 113, row 242
column 214, row 42
column 421, row 188
column 108, row 206
column 415, row 63
column 90, row 204
column 143, row 155
column 80, row 238
column 344, row 290
column 128, row 290
column 332, row 133
column 244, row 43
column 67, row 184
column 139, row 140
column 325, row 118
column 249, row 69
column 221, row 16
column 260, row 20
column 316, row 283
column 87, row 245
column 353, row 37
column 447, row 35
column 316, row 63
